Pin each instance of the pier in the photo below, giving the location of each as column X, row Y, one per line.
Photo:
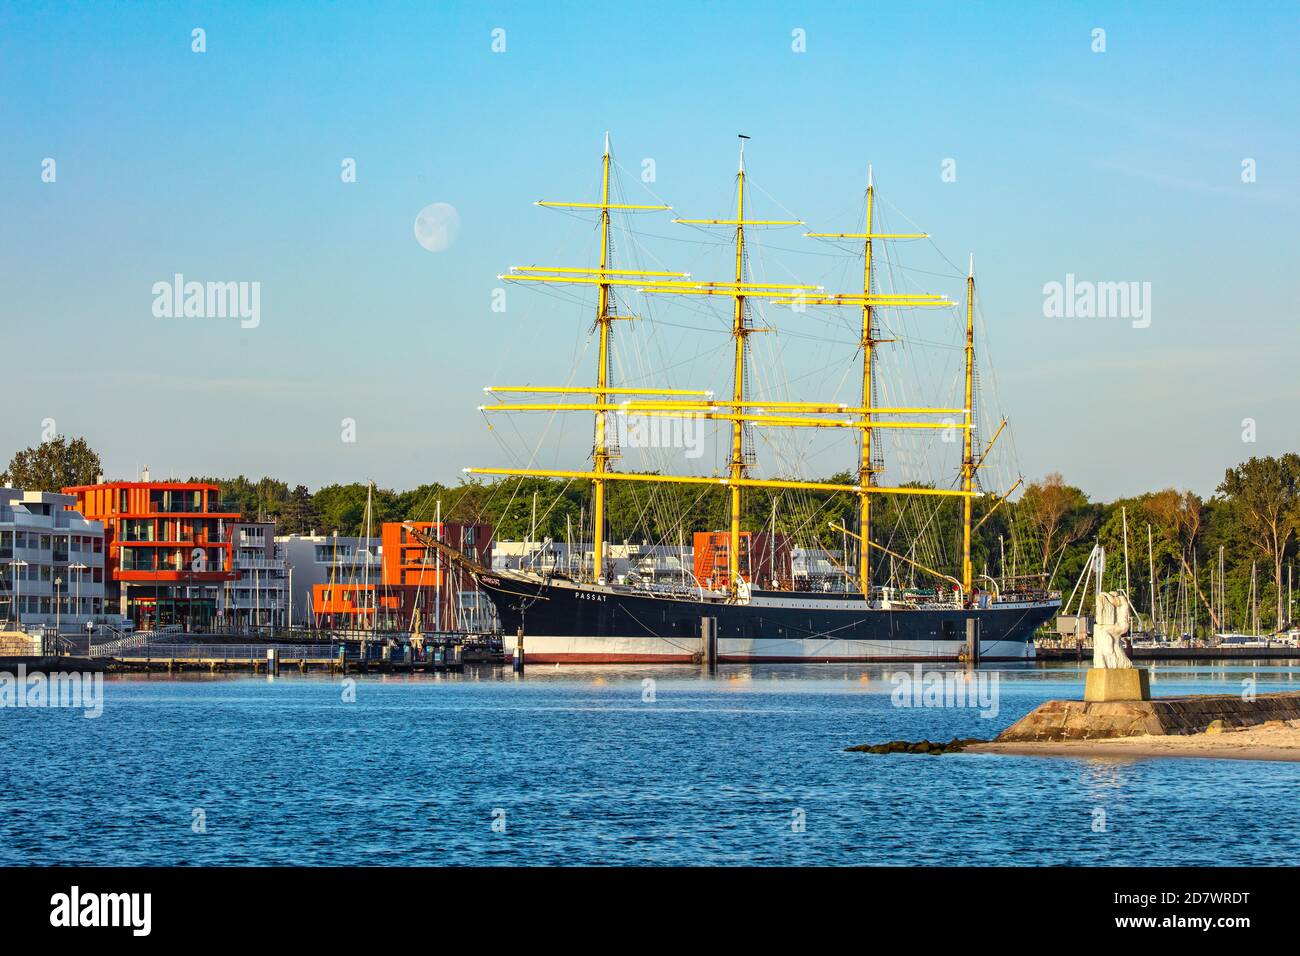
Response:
column 273, row 658
column 175, row 652
column 1275, row 652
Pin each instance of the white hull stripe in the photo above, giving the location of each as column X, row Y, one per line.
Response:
column 622, row 648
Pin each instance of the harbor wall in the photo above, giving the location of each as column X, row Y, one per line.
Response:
column 1082, row 720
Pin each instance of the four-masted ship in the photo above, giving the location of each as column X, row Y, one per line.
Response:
column 566, row 617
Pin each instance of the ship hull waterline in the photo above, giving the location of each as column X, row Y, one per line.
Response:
column 584, row 624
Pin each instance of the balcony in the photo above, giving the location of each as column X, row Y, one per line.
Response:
column 173, row 507
column 259, row 564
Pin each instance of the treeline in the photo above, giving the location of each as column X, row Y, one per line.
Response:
column 1176, row 539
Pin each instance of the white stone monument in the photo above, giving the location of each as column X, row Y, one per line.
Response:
column 1112, row 675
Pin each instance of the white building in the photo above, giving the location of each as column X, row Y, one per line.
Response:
column 260, row 597
column 313, row 559
column 51, row 562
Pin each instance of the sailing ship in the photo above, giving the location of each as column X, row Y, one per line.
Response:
column 559, row 616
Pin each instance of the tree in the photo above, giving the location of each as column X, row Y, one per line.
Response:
column 1059, row 513
column 52, row 465
column 1265, row 493
column 1179, row 514
column 298, row 516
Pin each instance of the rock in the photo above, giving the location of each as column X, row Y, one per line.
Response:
column 1056, row 720
column 956, row 745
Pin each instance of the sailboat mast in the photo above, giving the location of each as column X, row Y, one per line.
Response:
column 1151, row 573
column 739, row 333
column 868, row 342
column 967, row 460
column 600, row 455
column 366, row 595
column 1124, row 516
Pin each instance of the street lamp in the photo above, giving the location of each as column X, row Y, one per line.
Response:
column 58, row 599
column 81, row 571
column 18, row 590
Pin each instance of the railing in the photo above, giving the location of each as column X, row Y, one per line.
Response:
column 228, row 652
column 259, row 564
column 115, row 647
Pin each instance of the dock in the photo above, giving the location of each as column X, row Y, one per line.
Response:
column 173, row 653
column 1277, row 652
column 272, row 658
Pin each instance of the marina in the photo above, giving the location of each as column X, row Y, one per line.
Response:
column 572, row 460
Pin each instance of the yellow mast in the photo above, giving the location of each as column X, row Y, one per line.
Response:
column 866, row 471
column 967, row 459
column 600, row 454
column 739, row 333
column 604, row 278
column 868, row 341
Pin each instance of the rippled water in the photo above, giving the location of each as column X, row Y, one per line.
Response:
column 582, row 770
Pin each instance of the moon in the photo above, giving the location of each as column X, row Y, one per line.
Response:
column 436, row 226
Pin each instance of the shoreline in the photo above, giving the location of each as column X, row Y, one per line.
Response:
column 1273, row 741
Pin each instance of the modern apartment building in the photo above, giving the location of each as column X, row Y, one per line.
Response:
column 259, row 597
column 169, row 548
column 422, row 580
column 51, row 561
column 381, row 582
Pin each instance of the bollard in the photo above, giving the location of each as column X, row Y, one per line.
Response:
column 973, row 641
column 709, row 642
column 519, row 650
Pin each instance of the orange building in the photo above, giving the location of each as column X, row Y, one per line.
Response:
column 169, row 548
column 761, row 553
column 409, row 577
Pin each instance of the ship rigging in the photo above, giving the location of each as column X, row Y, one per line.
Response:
column 857, row 628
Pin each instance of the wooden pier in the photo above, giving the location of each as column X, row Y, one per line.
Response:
column 274, row 658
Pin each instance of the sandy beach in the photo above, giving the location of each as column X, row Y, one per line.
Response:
column 1275, row 740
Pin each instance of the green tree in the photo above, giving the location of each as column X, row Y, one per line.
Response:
column 1180, row 515
column 1265, row 493
column 298, row 515
column 1060, row 516
column 54, row 464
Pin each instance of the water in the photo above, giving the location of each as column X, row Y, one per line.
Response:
column 715, row 770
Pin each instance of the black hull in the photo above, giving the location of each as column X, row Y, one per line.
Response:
column 582, row 624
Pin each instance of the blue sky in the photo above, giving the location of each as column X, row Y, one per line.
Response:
column 1116, row 166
